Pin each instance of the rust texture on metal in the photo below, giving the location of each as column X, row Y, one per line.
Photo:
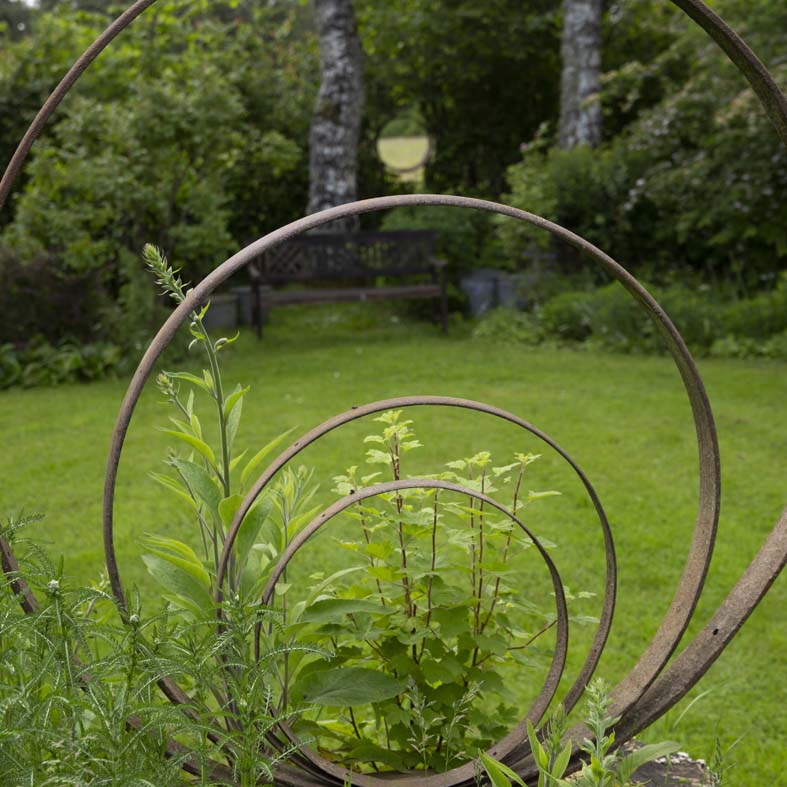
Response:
column 464, row 774
column 653, row 685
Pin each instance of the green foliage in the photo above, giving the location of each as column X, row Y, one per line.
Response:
column 604, row 766
column 569, row 315
column 426, row 621
column 695, row 182
column 413, row 648
column 180, row 134
column 463, row 236
column 78, row 696
column 609, row 317
column 70, row 680
column 413, row 50
column 68, row 362
column 509, row 325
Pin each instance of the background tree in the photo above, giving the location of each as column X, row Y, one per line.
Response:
column 157, row 145
column 15, row 16
column 482, row 77
column 580, row 83
column 336, row 124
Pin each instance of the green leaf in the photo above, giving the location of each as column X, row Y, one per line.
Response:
column 324, row 584
column 638, row 758
column 199, row 445
column 500, row 775
column 249, row 530
column 380, row 551
column 190, row 378
column 531, row 495
column 228, row 507
column 375, row 457
column 561, row 762
column 181, row 578
column 539, row 754
column 199, row 481
column 254, row 462
column 234, row 398
column 173, row 486
column 233, row 415
column 237, row 460
column 452, row 620
column 347, row 686
column 336, row 608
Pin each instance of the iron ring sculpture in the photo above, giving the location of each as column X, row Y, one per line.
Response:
column 464, row 774
column 663, row 645
column 517, row 739
column 649, row 690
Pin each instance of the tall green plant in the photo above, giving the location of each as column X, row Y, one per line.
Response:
column 603, row 765
column 427, row 621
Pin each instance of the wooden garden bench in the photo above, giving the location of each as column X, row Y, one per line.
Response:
column 342, row 267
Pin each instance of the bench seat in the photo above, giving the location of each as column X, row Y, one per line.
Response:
column 349, row 267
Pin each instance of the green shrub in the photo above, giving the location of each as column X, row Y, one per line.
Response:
column 611, row 318
column 760, row 316
column 509, row 325
column 695, row 312
column 38, row 298
column 41, row 363
column 463, row 236
column 568, row 315
column 696, row 183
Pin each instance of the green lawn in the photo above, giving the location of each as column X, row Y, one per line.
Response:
column 624, row 419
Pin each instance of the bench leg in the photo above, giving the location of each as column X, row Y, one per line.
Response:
column 443, row 304
column 256, row 312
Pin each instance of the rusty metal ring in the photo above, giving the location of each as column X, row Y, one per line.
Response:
column 311, row 437
column 650, row 664
column 687, row 669
column 518, row 735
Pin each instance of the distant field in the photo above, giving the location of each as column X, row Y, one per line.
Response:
column 404, row 154
column 625, row 419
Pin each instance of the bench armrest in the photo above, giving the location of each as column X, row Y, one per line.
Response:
column 438, row 263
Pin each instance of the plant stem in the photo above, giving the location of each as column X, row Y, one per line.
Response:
column 371, row 559
column 408, row 601
column 506, row 548
column 218, row 395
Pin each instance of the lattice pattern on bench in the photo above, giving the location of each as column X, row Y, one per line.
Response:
column 359, row 260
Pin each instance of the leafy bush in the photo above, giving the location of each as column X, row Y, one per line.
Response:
column 440, row 637
column 411, row 645
column 78, row 697
column 37, row 298
column 71, row 678
column 602, row 766
column 161, row 151
column 509, row 325
column 568, row 315
column 41, row 363
column 463, row 236
column 650, row 196
column 609, row 317
column 760, row 316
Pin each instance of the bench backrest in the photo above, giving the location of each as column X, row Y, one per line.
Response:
column 348, row 256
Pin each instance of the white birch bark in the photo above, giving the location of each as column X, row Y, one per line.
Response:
column 336, row 123
column 580, row 108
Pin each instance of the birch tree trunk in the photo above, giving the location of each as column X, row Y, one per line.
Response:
column 336, row 123
column 580, row 118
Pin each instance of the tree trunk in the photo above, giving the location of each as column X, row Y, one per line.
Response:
column 336, row 124
column 580, row 112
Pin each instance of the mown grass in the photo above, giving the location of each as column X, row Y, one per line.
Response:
column 624, row 419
